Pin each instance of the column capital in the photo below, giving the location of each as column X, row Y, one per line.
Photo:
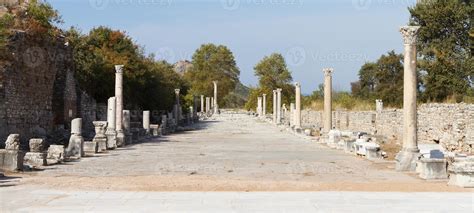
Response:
column 328, row 71
column 119, row 68
column 215, row 82
column 297, row 84
column 176, row 91
column 410, row 34
column 279, row 90
column 264, row 95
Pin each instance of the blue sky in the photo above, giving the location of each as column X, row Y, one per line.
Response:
column 311, row 34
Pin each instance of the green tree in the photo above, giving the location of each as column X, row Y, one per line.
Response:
column 148, row 84
column 213, row 63
column 381, row 80
column 272, row 73
column 445, row 47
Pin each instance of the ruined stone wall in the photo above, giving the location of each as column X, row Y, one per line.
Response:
column 451, row 125
column 38, row 92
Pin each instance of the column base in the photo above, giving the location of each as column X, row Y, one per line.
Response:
column 407, row 159
column 111, row 139
column 120, row 139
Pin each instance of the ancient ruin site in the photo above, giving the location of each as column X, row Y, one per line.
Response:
column 236, row 106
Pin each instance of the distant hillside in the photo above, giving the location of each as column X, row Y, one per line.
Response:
column 238, row 97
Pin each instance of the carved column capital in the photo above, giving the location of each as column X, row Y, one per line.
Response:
column 410, row 34
column 119, row 68
column 328, row 71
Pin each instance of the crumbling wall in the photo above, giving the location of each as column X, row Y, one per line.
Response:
column 38, row 92
column 451, row 125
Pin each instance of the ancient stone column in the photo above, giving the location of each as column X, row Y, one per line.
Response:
column 119, row 105
column 292, row 115
column 297, row 112
column 275, row 106
column 259, row 106
column 176, row 115
column 212, row 103
column 264, row 107
column 279, row 106
column 76, row 142
column 111, row 133
column 208, row 104
column 407, row 157
column 202, row 103
column 127, row 129
column 379, row 105
column 216, row 106
column 146, row 121
column 327, row 124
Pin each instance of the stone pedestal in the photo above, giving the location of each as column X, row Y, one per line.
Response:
column 461, row 172
column 11, row 160
column 36, row 159
column 155, row 130
column 75, row 148
column 432, row 168
column 111, row 133
column 407, row 158
column 327, row 123
column 55, row 154
column 100, row 137
column 90, row 148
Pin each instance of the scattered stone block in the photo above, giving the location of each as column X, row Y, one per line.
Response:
column 461, row 172
column 76, row 142
column 36, row 159
column 13, row 142
column 432, row 168
column 373, row 152
column 348, row 145
column 90, row 148
column 155, row 130
column 334, row 136
column 36, row 145
column 55, row 154
column 11, row 160
column 100, row 137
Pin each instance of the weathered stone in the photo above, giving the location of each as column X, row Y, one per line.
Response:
column 36, row 159
column 461, row 172
column 13, row 142
column 327, row 100
column 155, row 130
column 111, row 133
column 11, row 160
column 127, row 127
column 56, row 153
column 431, row 168
column 76, row 142
column 90, row 148
column 216, row 106
column 146, row 121
column 100, row 138
column 37, row 145
column 119, row 105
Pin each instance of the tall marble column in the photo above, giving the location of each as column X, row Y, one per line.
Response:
column 297, row 112
column 407, row 157
column 208, row 104
column 127, row 128
column 292, row 115
column 264, row 105
column 275, row 106
column 212, row 104
column 327, row 100
column 146, row 121
column 216, row 106
column 111, row 133
column 202, row 104
column 259, row 106
column 279, row 106
column 176, row 110
column 119, row 105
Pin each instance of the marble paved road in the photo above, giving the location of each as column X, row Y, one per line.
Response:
column 40, row 200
